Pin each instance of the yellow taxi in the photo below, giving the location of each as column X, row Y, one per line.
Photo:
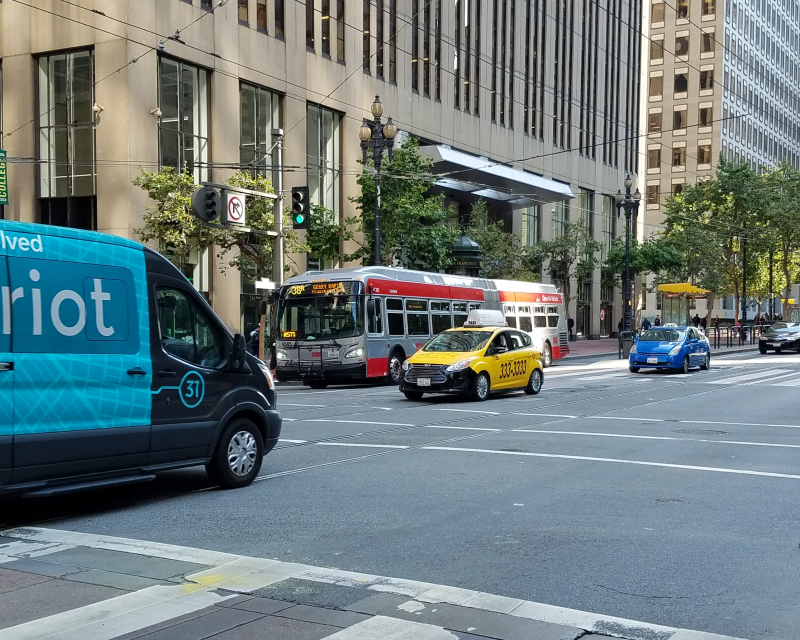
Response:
column 483, row 356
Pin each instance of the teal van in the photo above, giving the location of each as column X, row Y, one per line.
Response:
column 113, row 367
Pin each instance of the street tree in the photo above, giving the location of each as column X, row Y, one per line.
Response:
column 782, row 219
column 573, row 254
column 327, row 235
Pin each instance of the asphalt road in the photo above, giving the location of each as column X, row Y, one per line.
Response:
column 661, row 497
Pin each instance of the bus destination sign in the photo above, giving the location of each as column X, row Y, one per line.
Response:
column 320, row 289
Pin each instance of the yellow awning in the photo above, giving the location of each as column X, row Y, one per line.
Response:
column 683, row 287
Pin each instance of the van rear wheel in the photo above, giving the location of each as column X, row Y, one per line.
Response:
column 238, row 456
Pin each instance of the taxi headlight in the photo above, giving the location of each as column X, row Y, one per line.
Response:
column 459, row 366
column 406, row 365
column 633, row 349
column 267, row 374
column 675, row 350
column 281, row 355
column 358, row 352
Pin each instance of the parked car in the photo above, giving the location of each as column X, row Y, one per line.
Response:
column 781, row 336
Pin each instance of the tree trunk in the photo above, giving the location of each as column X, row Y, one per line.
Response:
column 712, row 298
column 785, row 269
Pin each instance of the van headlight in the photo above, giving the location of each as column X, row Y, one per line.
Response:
column 675, row 350
column 406, row 365
column 358, row 352
column 267, row 374
column 281, row 355
column 459, row 366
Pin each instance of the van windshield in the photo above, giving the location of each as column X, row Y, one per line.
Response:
column 459, row 341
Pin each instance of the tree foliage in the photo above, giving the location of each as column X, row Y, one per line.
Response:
column 326, row 235
column 653, row 256
column 573, row 254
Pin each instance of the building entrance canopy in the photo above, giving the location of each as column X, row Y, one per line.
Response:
column 482, row 178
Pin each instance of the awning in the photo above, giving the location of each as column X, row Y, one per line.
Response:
column 685, row 288
column 484, row 178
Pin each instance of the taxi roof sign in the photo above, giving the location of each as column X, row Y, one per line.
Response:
column 485, row 318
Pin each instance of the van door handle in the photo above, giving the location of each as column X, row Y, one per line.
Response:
column 6, row 366
column 137, row 371
column 167, row 373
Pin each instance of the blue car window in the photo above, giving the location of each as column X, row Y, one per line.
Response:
column 661, row 335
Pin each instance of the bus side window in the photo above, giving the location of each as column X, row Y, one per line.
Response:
column 375, row 319
column 525, row 323
column 474, row 305
column 511, row 321
column 539, row 322
column 417, row 316
column 552, row 321
column 459, row 313
column 440, row 316
column 394, row 316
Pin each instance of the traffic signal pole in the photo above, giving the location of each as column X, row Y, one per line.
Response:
column 277, row 137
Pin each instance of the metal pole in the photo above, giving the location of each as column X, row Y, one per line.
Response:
column 378, row 214
column 771, row 297
column 626, row 323
column 277, row 140
column 744, row 281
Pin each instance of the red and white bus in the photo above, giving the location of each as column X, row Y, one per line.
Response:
column 357, row 324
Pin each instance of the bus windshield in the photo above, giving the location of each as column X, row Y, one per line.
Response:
column 458, row 341
column 321, row 311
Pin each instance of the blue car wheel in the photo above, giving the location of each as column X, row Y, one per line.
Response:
column 706, row 363
column 686, row 365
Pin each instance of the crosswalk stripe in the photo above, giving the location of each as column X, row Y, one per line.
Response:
column 789, row 383
column 393, row 629
column 750, row 376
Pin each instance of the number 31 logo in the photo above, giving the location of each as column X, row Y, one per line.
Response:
column 192, row 389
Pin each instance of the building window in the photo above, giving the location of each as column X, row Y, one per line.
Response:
column 709, row 7
column 456, row 56
column 679, row 118
column 261, row 15
column 608, row 225
column 679, row 156
column 657, row 12
column 654, row 158
column 530, row 226
column 654, row 122
column 415, row 45
column 706, row 116
column 206, row 4
column 656, row 86
column 495, row 16
column 66, row 132
column 437, row 51
column 324, row 148
column 707, row 43
column 340, row 30
column 657, row 50
column 260, row 114
column 681, row 82
column 704, row 154
column 559, row 219
column 183, row 130
column 682, row 8
column 652, row 194
column 677, row 189
column 706, row 80
column 426, row 47
column 310, row 24
column 392, row 39
column 242, row 11
column 681, row 45
column 325, row 19
column 477, row 56
column 279, row 6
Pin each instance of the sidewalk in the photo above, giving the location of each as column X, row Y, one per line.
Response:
column 608, row 347
column 63, row 585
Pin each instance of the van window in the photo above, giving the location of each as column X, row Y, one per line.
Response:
column 516, row 341
column 186, row 331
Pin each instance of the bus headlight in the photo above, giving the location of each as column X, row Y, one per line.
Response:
column 459, row 366
column 281, row 355
column 358, row 352
column 267, row 374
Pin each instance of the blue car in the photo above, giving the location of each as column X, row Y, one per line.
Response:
column 678, row 348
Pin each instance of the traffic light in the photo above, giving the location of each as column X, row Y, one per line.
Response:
column 301, row 213
column 206, row 204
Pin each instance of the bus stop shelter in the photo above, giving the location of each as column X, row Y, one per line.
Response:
column 676, row 300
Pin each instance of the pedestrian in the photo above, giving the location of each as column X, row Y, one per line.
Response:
column 704, row 323
column 716, row 322
column 570, row 326
column 619, row 325
column 657, row 321
column 254, row 342
column 696, row 320
column 645, row 324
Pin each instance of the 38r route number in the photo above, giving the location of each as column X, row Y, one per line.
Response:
column 513, row 369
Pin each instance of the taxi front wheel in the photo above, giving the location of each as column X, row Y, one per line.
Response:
column 535, row 383
column 481, row 387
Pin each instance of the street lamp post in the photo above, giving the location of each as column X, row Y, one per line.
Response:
column 630, row 204
column 377, row 136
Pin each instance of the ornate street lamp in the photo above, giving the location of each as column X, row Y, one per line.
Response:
column 377, row 136
column 630, row 204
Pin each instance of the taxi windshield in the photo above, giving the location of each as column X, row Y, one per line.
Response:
column 459, row 341
column 661, row 335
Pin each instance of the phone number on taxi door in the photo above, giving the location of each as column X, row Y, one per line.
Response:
column 513, row 369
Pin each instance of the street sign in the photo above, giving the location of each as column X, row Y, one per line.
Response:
column 3, row 179
column 234, row 209
column 265, row 283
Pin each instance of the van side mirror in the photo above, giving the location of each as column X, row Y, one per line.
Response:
column 237, row 358
column 496, row 351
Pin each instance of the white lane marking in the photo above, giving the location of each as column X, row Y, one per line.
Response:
column 117, row 616
column 666, row 465
column 544, row 415
column 460, row 428
column 635, row 437
column 362, row 444
column 384, row 424
column 488, row 413
column 771, row 381
column 293, row 441
column 383, row 408
column 749, row 376
column 621, row 418
column 602, row 376
column 791, row 383
column 392, row 629
column 740, row 424
column 289, row 419
column 310, row 406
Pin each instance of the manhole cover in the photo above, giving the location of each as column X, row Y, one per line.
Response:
column 668, row 500
column 702, row 432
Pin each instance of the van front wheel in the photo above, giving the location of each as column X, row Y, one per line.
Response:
column 238, row 456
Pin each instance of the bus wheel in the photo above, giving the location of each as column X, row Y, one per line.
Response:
column 317, row 384
column 395, row 367
column 547, row 355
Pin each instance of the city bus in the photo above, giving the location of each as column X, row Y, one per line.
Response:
column 359, row 324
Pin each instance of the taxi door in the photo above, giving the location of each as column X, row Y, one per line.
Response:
column 502, row 363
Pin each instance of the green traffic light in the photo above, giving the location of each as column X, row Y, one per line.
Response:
column 299, row 218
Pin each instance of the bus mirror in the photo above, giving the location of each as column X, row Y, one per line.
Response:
column 237, row 359
column 262, row 307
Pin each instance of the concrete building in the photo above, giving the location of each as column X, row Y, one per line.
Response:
column 536, row 101
column 722, row 77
